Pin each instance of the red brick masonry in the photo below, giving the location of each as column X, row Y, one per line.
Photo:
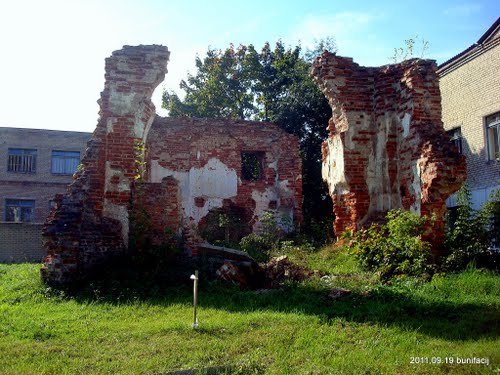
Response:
column 193, row 166
column 387, row 148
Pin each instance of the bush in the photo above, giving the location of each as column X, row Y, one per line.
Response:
column 394, row 248
column 256, row 246
column 260, row 246
column 471, row 237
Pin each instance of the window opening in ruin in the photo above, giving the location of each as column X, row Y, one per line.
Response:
column 493, row 136
column 20, row 210
column 21, row 160
column 65, row 162
column 252, row 165
column 456, row 138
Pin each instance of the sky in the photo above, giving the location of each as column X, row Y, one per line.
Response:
column 52, row 60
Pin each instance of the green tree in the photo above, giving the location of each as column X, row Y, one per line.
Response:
column 270, row 85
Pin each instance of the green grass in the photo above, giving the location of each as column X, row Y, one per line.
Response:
column 120, row 329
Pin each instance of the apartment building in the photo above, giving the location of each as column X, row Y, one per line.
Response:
column 34, row 166
column 470, row 92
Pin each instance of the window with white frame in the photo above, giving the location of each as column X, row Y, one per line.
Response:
column 65, row 162
column 20, row 210
column 493, row 136
column 456, row 138
column 21, row 160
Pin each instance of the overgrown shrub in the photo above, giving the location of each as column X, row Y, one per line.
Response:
column 261, row 245
column 256, row 246
column 395, row 247
column 473, row 234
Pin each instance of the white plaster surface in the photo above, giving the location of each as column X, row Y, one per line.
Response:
column 417, row 188
column 283, row 215
column 332, row 169
column 406, row 124
column 123, row 183
column 141, row 128
column 214, row 182
column 120, row 213
column 120, row 103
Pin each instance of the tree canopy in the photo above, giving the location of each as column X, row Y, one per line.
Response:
column 270, row 85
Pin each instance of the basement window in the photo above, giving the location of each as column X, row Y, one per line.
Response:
column 21, row 160
column 493, row 136
column 20, row 210
column 252, row 166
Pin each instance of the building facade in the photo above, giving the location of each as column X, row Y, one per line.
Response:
column 34, row 166
column 470, row 91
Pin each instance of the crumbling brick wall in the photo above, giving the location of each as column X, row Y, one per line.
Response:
column 193, row 167
column 90, row 222
column 204, row 157
column 386, row 147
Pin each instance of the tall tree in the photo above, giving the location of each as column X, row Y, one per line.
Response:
column 270, row 85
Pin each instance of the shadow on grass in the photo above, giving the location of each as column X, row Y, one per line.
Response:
column 382, row 305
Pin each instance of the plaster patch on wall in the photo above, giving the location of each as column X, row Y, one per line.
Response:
column 262, row 199
column 417, row 188
column 284, row 190
column 123, row 183
column 120, row 213
column 109, row 125
column 332, row 169
column 273, row 165
column 120, row 102
column 405, row 122
column 214, row 182
column 141, row 129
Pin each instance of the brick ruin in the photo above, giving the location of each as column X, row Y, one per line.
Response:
column 193, row 167
column 386, row 148
column 205, row 163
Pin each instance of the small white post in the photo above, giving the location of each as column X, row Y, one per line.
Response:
column 195, row 298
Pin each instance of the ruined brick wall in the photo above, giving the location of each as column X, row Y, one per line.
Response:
column 387, row 148
column 90, row 222
column 204, row 156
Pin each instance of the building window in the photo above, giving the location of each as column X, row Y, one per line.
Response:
column 493, row 136
column 65, row 162
column 20, row 210
column 252, row 166
column 21, row 160
column 456, row 138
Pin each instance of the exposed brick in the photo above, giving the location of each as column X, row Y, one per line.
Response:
column 90, row 223
column 387, row 148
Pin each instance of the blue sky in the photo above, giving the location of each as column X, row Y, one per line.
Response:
column 53, row 51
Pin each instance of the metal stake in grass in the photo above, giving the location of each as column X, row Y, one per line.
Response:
column 195, row 298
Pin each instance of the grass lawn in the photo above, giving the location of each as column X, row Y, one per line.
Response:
column 377, row 329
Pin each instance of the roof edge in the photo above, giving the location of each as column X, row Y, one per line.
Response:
column 483, row 44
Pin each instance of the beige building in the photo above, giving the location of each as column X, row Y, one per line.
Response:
column 470, row 90
column 34, row 166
